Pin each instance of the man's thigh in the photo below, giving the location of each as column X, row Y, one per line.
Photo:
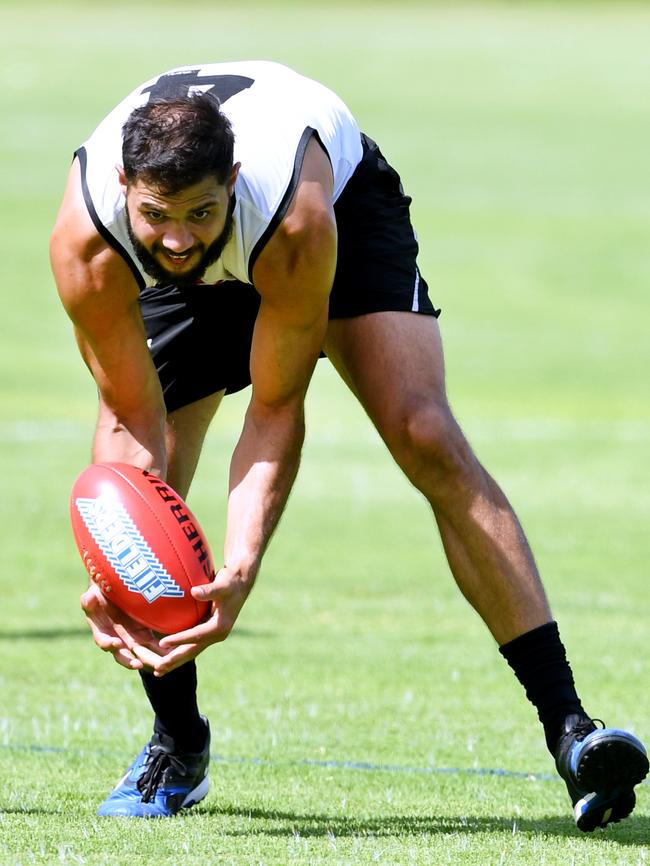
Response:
column 383, row 335
column 392, row 361
column 184, row 436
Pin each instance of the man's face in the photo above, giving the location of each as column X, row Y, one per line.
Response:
column 177, row 237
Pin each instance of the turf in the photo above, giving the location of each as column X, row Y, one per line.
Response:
column 360, row 712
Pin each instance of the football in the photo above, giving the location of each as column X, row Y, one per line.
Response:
column 141, row 545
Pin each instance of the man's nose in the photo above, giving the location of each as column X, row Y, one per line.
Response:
column 177, row 237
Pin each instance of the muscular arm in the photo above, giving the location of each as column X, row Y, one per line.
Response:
column 100, row 295
column 293, row 275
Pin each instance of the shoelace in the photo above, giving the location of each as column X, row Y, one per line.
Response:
column 585, row 727
column 158, row 762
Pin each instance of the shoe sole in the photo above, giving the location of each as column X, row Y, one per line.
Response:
column 599, row 810
column 197, row 794
column 126, row 809
column 610, row 765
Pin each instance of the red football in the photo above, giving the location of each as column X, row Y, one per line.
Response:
column 141, row 545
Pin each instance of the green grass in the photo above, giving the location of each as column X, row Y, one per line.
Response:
column 360, row 704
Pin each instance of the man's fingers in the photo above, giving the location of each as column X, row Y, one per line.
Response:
column 124, row 634
column 194, row 635
column 176, row 658
column 161, row 665
column 104, row 641
column 111, row 636
column 88, row 601
column 107, row 643
column 225, row 584
column 142, row 637
column 126, row 658
column 149, row 658
column 210, row 591
column 135, row 647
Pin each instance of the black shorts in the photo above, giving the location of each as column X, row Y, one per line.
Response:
column 200, row 336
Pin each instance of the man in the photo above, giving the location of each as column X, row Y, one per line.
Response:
column 223, row 226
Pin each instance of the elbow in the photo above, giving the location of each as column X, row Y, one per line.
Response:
column 309, row 245
column 286, row 410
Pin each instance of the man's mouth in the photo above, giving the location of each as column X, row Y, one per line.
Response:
column 177, row 258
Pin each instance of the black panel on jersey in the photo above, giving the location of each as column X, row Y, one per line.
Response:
column 99, row 225
column 178, row 84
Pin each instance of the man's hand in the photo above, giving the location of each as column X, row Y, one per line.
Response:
column 115, row 631
column 227, row 592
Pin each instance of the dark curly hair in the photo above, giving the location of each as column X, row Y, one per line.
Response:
column 174, row 142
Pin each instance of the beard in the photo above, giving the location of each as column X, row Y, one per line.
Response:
column 209, row 255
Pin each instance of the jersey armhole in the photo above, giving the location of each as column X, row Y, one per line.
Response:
column 283, row 207
column 99, row 225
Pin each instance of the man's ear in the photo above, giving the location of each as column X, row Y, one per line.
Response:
column 121, row 177
column 234, row 171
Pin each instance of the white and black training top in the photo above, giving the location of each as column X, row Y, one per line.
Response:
column 273, row 111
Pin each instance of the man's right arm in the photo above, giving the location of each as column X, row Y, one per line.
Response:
column 100, row 295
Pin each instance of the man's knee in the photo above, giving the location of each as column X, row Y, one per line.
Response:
column 431, row 448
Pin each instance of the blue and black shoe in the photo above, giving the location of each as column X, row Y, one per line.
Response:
column 161, row 781
column 600, row 766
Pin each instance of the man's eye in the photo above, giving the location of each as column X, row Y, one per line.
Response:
column 154, row 216
column 201, row 214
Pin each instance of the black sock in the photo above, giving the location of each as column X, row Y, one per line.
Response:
column 173, row 700
column 539, row 661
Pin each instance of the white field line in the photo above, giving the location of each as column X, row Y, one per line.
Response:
column 511, row 430
column 24, row 432
column 556, row 429
column 342, row 764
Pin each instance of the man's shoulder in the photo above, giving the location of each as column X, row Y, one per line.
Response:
column 83, row 260
column 74, row 229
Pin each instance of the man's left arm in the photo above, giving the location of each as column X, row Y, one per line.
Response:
column 293, row 275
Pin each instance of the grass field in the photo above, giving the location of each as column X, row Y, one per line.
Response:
column 360, row 712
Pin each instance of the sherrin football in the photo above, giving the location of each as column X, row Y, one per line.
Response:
column 141, row 545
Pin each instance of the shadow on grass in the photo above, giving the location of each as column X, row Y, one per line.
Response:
column 634, row 831
column 84, row 632
column 45, row 633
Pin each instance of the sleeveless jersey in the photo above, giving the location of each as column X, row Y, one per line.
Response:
column 273, row 111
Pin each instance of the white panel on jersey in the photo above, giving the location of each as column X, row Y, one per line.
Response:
column 268, row 118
